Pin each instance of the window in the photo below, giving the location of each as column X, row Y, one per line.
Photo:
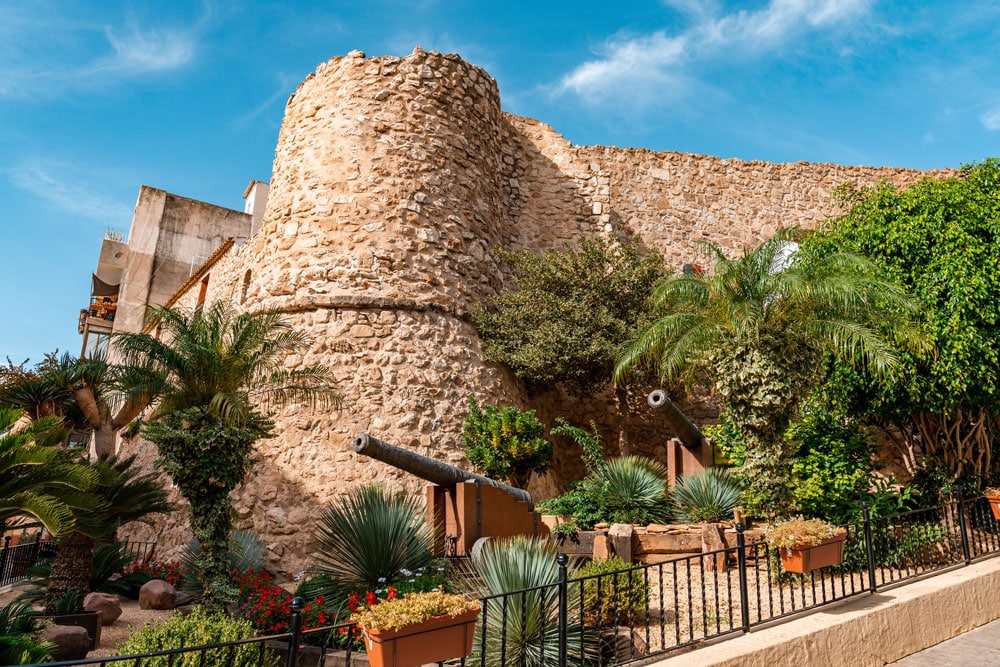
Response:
column 246, row 287
column 202, row 293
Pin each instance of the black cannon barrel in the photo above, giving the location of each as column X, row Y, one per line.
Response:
column 689, row 434
column 428, row 469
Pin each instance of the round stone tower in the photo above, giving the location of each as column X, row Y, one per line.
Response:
column 386, row 185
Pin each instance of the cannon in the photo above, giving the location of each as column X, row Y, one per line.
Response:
column 463, row 506
column 690, row 451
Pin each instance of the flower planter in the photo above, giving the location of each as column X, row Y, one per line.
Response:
column 995, row 506
column 434, row 640
column 806, row 559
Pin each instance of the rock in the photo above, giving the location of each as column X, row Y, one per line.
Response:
column 72, row 642
column 109, row 606
column 602, row 546
column 713, row 543
column 157, row 594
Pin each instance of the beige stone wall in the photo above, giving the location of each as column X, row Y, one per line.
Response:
column 395, row 179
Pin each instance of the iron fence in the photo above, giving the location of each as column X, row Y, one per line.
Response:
column 16, row 560
column 653, row 609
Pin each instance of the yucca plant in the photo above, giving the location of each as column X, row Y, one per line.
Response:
column 633, row 488
column 364, row 540
column 706, row 497
column 517, row 579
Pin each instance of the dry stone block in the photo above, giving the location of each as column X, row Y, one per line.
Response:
column 109, row 606
column 157, row 594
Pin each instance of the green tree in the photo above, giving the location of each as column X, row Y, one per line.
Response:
column 760, row 325
column 569, row 315
column 38, row 478
column 122, row 494
column 214, row 371
column 506, row 443
column 938, row 239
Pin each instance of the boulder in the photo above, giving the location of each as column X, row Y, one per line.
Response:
column 157, row 594
column 71, row 641
column 109, row 606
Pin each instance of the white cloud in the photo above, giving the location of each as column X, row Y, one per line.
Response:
column 62, row 186
column 991, row 119
column 637, row 65
column 45, row 60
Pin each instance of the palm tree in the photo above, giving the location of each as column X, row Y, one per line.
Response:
column 123, row 494
column 761, row 325
column 211, row 372
column 37, row 478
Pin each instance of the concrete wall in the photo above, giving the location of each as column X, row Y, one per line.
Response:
column 170, row 237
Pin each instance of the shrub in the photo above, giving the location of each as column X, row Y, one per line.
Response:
column 614, row 592
column 397, row 613
column 168, row 571
column 706, row 497
column 198, row 629
column 799, row 533
column 506, row 443
column 584, row 508
column 246, row 554
column 366, row 539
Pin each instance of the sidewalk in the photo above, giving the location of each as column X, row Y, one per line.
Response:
column 980, row 647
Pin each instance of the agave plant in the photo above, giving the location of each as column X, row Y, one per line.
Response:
column 517, row 579
column 369, row 536
column 633, row 488
column 706, row 497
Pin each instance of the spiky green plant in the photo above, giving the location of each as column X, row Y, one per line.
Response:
column 17, row 640
column 366, row 538
column 633, row 488
column 706, row 497
column 522, row 626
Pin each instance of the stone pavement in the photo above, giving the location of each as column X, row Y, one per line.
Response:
column 976, row 648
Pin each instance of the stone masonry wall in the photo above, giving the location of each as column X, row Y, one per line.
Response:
column 395, row 180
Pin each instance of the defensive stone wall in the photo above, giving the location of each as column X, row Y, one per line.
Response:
column 395, row 181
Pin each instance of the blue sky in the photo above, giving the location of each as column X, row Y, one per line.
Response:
column 97, row 99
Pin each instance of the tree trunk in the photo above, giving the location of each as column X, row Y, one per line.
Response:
column 71, row 568
column 212, row 525
column 621, row 393
column 104, row 440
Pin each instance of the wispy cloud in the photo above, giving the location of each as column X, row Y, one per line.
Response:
column 65, row 186
column 661, row 63
column 44, row 59
column 991, row 119
column 286, row 84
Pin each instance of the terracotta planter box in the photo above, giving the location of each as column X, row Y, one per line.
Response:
column 995, row 506
column 433, row 640
column 806, row 559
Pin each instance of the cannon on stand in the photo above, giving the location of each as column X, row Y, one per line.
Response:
column 462, row 506
column 690, row 451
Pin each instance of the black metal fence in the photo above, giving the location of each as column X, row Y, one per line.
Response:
column 650, row 610
column 16, row 560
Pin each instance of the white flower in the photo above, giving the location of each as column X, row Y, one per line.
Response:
column 300, row 575
column 381, row 580
column 405, row 572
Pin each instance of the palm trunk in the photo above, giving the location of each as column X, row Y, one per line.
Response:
column 71, row 568
column 211, row 525
column 104, row 440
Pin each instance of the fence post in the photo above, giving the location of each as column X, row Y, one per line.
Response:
column 741, row 564
column 961, row 522
column 869, row 550
column 298, row 604
column 563, row 559
column 3, row 559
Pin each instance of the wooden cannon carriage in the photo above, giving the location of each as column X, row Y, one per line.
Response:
column 462, row 506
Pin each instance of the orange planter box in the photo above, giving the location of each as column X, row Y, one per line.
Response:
column 995, row 506
column 433, row 640
column 806, row 559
